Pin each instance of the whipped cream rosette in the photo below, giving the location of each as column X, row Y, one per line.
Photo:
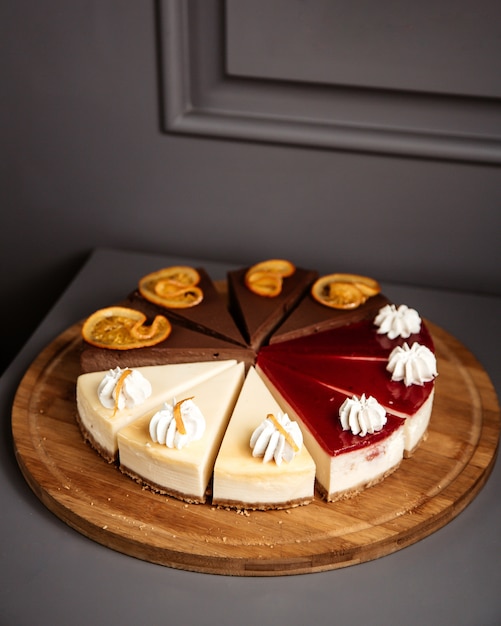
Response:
column 400, row 321
column 177, row 424
column 362, row 415
column 414, row 365
column 123, row 389
column 278, row 438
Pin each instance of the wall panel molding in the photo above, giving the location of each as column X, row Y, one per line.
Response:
column 200, row 97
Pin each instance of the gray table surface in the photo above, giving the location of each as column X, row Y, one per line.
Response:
column 50, row 574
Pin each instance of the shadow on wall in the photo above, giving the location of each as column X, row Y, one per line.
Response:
column 31, row 305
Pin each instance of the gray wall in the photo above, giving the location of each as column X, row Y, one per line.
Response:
column 111, row 137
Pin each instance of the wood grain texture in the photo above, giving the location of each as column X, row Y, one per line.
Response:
column 428, row 490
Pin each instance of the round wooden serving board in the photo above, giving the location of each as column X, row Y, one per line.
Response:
column 426, row 492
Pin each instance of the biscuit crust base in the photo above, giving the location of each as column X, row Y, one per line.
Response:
column 261, row 506
column 162, row 490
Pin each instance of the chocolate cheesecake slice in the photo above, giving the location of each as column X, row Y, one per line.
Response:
column 210, row 316
column 311, row 317
column 258, row 316
column 183, row 345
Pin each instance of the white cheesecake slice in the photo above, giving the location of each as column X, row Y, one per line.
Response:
column 182, row 472
column 100, row 425
column 242, row 480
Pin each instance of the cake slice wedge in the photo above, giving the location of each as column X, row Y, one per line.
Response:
column 210, row 316
column 257, row 315
column 311, row 317
column 182, row 472
column 357, row 376
column 244, row 481
column 183, row 345
column 357, row 340
column 100, row 425
column 346, row 463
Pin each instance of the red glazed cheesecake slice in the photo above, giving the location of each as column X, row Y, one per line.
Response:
column 357, row 340
column 353, row 359
column 257, row 315
column 346, row 463
column 356, row 376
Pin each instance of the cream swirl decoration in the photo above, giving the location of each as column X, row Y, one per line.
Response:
column 123, row 389
column 276, row 438
column 177, row 424
column 397, row 321
column 414, row 365
column 362, row 415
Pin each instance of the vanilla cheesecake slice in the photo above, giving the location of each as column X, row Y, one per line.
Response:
column 108, row 401
column 173, row 450
column 262, row 462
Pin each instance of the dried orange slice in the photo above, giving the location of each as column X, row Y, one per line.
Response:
column 265, row 278
column 279, row 266
column 368, row 286
column 121, row 328
column 172, row 287
column 180, row 274
column 262, row 283
column 183, row 299
column 344, row 291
